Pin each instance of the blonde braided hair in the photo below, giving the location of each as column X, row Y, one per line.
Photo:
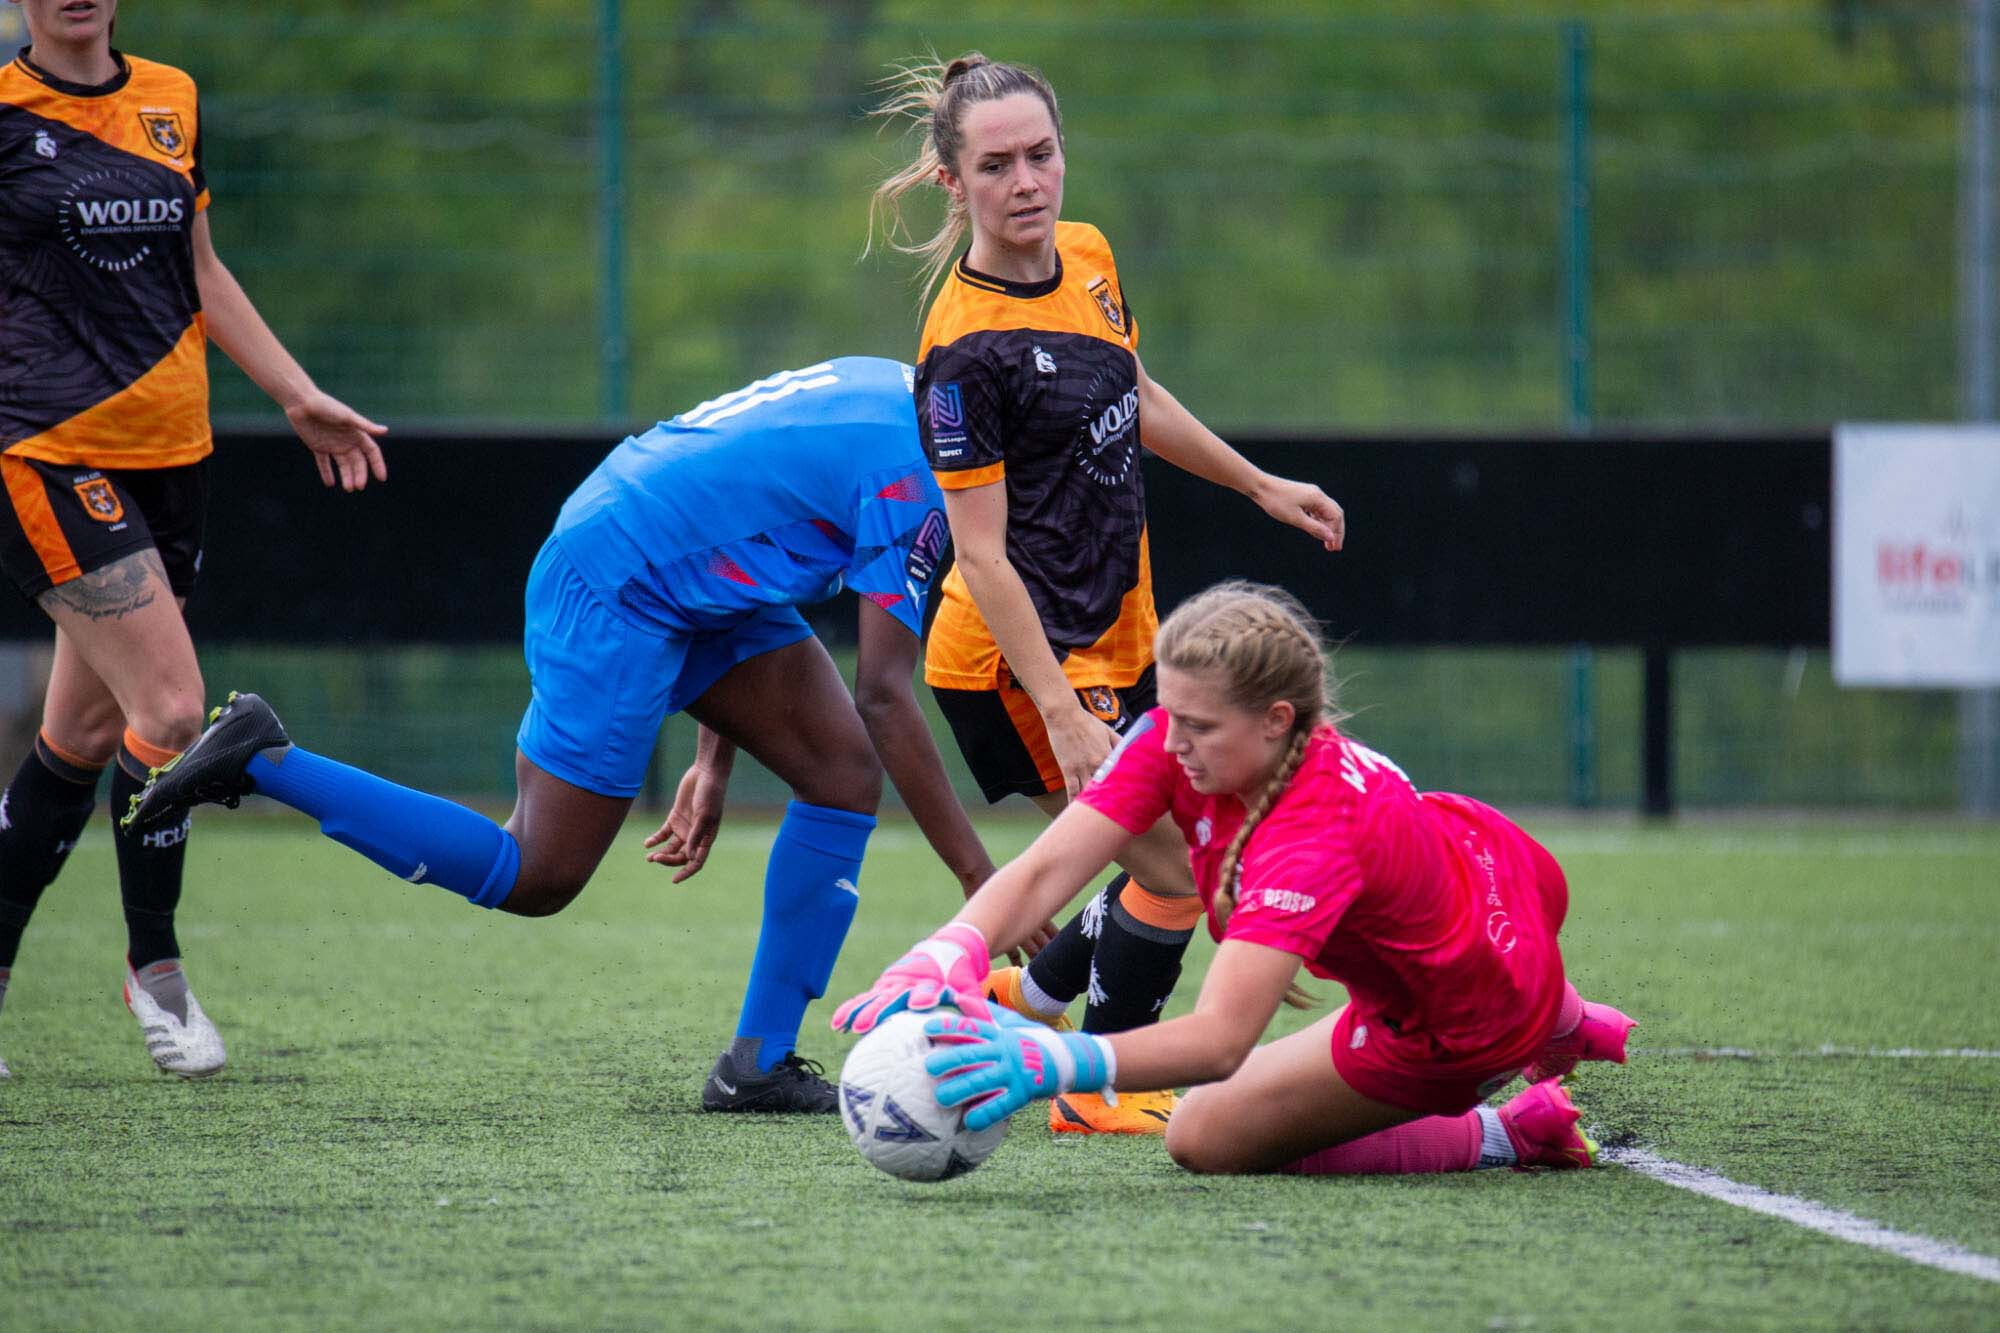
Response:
column 1262, row 645
column 933, row 97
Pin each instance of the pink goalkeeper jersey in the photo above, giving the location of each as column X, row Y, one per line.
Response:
column 1426, row 906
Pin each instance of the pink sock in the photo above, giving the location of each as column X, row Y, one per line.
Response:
column 1571, row 1014
column 1435, row 1143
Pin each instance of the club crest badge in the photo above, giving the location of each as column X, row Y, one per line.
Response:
column 163, row 131
column 1108, row 305
column 1104, row 702
column 100, row 501
column 44, row 145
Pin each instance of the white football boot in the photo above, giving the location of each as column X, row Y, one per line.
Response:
column 178, row 1034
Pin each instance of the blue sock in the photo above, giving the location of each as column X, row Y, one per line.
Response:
column 411, row 834
column 809, row 901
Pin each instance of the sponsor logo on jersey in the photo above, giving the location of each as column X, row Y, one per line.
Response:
column 100, row 501
column 1044, row 363
column 1114, row 421
column 927, row 548
column 109, row 218
column 1105, row 451
column 1108, row 305
column 163, row 131
column 947, row 407
column 1204, row 829
column 44, row 145
column 104, row 214
column 1288, row 900
column 1360, row 1037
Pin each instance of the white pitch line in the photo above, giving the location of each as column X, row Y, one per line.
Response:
column 1835, row 1222
column 1820, row 1053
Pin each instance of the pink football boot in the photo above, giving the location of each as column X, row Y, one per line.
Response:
column 1541, row 1124
column 1599, row 1035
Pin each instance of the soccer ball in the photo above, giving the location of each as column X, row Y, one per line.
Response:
column 890, row 1107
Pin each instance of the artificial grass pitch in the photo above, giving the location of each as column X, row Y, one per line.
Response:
column 439, row 1117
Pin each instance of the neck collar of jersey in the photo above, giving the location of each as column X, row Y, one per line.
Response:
column 68, row 89
column 1026, row 291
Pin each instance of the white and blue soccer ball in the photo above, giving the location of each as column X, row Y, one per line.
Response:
column 889, row 1104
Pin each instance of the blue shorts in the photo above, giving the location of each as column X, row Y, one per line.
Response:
column 603, row 684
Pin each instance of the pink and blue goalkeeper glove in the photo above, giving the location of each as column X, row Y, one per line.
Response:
column 1012, row 1062
column 947, row 968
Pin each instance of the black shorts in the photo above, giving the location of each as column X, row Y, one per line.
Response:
column 62, row 521
column 1001, row 735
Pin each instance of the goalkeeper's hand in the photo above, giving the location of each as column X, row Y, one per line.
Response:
column 947, row 968
column 1010, row 1063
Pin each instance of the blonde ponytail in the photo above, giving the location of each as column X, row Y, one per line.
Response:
column 932, row 97
column 1225, row 891
column 1262, row 646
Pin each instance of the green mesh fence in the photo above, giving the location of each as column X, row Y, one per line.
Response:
column 1602, row 213
column 1345, row 217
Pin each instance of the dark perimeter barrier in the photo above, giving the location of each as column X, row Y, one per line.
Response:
column 1652, row 541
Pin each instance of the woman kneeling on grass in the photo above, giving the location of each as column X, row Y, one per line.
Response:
column 1436, row 912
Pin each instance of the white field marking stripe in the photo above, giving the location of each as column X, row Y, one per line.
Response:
column 1835, row 1222
column 1857, row 842
column 710, row 413
column 1819, row 1053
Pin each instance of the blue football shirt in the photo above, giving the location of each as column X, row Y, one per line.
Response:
column 780, row 493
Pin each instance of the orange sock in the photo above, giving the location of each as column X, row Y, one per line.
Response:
column 137, row 754
column 1160, row 910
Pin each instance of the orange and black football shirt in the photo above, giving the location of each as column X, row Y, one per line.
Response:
column 1036, row 387
column 102, row 342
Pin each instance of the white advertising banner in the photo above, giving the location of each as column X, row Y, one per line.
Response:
column 1916, row 555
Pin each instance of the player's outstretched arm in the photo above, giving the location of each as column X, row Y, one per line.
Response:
column 1003, row 1063
column 887, row 702
column 1244, row 987
column 1027, row 891
column 1173, row 432
column 1076, row 846
column 342, row 440
column 689, row 832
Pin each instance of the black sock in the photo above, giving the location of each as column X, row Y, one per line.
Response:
column 1133, row 971
column 149, row 871
column 1062, row 970
column 43, row 813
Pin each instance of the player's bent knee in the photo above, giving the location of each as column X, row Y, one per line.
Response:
column 1199, row 1141
column 544, row 894
column 92, row 745
column 851, row 781
column 171, row 723
column 1200, row 1154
